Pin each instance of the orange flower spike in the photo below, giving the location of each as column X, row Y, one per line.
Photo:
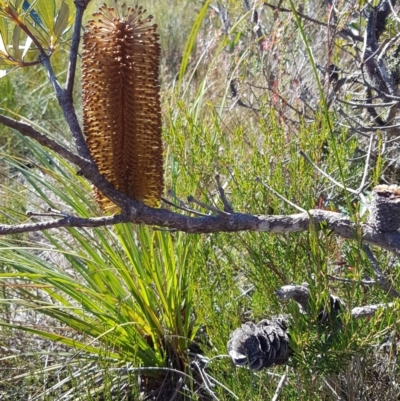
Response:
column 121, row 102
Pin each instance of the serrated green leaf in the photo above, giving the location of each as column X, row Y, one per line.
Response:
column 18, row 4
column 62, row 21
column 4, row 35
column 40, row 34
column 47, row 11
column 6, row 64
column 15, row 41
column 3, row 59
column 30, row 12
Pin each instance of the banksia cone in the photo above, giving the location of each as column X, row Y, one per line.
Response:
column 121, row 102
column 266, row 343
column 260, row 345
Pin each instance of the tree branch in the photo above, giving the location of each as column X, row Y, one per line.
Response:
column 30, row 132
column 368, row 310
column 64, row 97
column 300, row 295
column 345, row 33
column 380, row 277
column 73, row 55
column 45, row 61
column 68, row 221
column 140, row 214
column 87, row 165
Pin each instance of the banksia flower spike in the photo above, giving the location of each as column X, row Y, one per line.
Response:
column 121, row 102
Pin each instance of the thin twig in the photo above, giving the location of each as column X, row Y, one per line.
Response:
column 366, row 105
column 224, row 387
column 344, row 32
column 227, row 206
column 304, row 16
column 211, row 208
column 338, row 398
column 396, row 139
column 350, row 281
column 364, row 177
column 350, row 126
column 206, row 382
column 285, row 102
column 353, row 191
column 46, row 214
column 183, row 208
column 176, row 197
column 281, row 197
column 280, row 385
column 380, row 277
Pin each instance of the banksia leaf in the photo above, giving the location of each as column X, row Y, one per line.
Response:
column 121, row 102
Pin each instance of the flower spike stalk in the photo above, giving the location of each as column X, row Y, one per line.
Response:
column 121, row 102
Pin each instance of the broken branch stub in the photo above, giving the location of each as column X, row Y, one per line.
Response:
column 385, row 208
